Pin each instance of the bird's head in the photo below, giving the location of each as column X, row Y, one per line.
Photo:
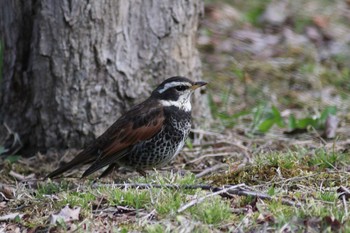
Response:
column 176, row 91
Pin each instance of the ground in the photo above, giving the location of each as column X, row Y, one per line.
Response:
column 275, row 157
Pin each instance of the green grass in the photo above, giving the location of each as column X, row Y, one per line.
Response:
column 168, row 202
column 132, row 198
column 48, row 188
column 308, row 177
column 76, row 198
column 164, row 201
column 214, row 211
column 324, row 159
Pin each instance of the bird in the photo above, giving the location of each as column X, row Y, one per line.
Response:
column 147, row 136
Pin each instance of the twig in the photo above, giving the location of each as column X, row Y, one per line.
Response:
column 345, row 205
column 20, row 177
column 197, row 201
column 263, row 196
column 211, row 169
column 150, row 215
column 286, row 180
column 344, row 194
column 209, row 155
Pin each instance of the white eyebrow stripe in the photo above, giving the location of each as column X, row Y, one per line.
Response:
column 173, row 84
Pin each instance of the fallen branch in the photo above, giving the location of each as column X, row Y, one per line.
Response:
column 211, row 169
column 200, row 200
column 263, row 196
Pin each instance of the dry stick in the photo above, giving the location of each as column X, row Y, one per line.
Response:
column 262, row 196
column 200, row 200
column 296, row 178
column 211, row 169
column 226, row 191
column 345, row 205
column 344, row 194
column 345, row 189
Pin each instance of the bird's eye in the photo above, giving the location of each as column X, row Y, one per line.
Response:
column 181, row 88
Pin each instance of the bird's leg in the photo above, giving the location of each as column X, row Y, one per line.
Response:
column 141, row 172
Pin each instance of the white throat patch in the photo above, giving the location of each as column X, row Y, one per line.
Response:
column 184, row 102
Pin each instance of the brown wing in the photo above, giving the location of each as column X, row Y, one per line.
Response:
column 140, row 123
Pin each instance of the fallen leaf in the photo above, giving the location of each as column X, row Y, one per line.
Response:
column 66, row 214
column 263, row 218
column 320, row 21
column 7, row 192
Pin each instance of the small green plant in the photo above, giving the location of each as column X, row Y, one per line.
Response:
column 49, row 188
column 316, row 122
column 283, row 214
column 271, row 191
column 135, row 198
column 82, row 199
column 189, row 143
column 212, row 211
column 12, row 158
column 264, row 118
column 328, row 196
column 324, row 159
column 169, row 202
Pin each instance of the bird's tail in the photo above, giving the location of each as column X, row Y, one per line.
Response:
column 86, row 156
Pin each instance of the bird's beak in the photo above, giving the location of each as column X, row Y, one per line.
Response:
column 198, row 84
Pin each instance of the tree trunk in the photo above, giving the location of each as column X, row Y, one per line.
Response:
column 71, row 68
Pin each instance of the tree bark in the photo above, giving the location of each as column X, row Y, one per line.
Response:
column 71, row 68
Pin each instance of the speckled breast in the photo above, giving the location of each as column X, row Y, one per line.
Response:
column 164, row 146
